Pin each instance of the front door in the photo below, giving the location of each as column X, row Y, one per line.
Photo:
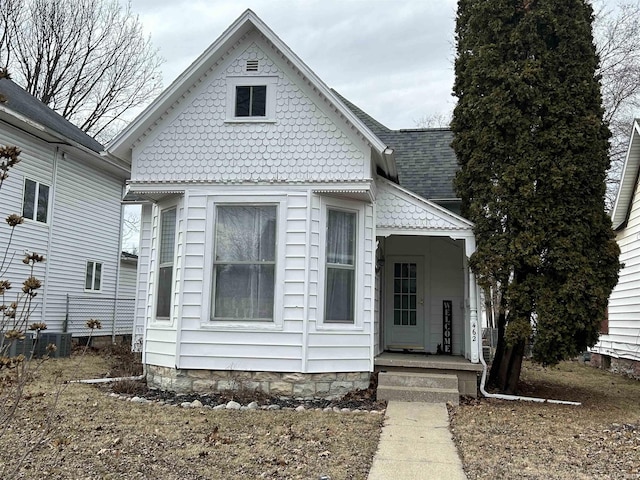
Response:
column 404, row 319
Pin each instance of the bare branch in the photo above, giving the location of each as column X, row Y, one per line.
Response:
column 87, row 59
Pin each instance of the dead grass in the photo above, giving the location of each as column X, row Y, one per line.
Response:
column 96, row 436
column 600, row 439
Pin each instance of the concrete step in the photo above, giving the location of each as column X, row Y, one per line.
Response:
column 417, row 379
column 418, row 394
column 418, row 387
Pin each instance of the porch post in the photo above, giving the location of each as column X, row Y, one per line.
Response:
column 474, row 329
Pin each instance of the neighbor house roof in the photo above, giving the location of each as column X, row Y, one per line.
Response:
column 32, row 109
column 425, row 161
column 628, row 181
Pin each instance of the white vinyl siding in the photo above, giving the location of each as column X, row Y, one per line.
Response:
column 623, row 338
column 341, row 347
column 128, row 283
column 70, row 236
column 78, row 237
column 248, row 345
column 36, row 163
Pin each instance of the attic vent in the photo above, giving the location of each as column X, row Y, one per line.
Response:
column 252, row 66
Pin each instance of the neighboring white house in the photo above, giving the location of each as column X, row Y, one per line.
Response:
column 276, row 241
column 619, row 343
column 70, row 196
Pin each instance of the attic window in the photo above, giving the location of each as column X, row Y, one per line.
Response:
column 252, row 66
column 251, row 98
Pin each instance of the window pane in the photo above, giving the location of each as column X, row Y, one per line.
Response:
column 167, row 235
column 259, row 101
column 89, row 276
column 340, row 293
column 28, row 205
column 43, row 203
column 98, row 277
column 244, row 292
column 341, row 229
column 164, row 292
column 243, row 95
column 246, row 234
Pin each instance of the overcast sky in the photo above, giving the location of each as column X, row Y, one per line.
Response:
column 392, row 58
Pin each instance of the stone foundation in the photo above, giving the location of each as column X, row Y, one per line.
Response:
column 297, row 385
column 622, row 366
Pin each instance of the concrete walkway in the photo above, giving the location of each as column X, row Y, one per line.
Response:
column 416, row 444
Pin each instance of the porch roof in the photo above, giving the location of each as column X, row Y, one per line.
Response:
column 401, row 212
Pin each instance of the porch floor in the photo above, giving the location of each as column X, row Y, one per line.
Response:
column 423, row 361
column 466, row 371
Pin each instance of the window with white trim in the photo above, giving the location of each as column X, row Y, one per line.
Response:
column 35, row 203
column 251, row 99
column 340, row 275
column 93, row 276
column 166, row 251
column 244, row 263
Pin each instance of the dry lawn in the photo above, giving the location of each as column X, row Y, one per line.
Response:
column 95, row 436
column 598, row 440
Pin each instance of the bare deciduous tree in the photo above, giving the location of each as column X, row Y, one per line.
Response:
column 618, row 46
column 434, row 120
column 89, row 60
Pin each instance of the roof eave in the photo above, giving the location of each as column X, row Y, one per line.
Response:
column 628, row 180
column 48, row 135
column 121, row 145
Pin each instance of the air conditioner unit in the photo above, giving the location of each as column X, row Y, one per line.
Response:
column 62, row 341
column 22, row 346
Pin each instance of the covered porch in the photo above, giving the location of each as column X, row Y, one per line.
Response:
column 427, row 299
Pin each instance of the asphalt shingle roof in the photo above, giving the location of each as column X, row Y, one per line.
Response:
column 30, row 107
column 425, row 160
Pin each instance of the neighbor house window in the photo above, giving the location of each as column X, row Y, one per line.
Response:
column 35, row 204
column 340, row 266
column 251, row 101
column 93, row 276
column 165, row 261
column 244, row 262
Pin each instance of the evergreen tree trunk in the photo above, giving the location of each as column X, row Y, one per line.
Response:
column 495, row 373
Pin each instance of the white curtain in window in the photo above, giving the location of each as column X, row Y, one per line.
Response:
column 341, row 233
column 245, row 262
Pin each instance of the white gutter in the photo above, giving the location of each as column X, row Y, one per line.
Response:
column 503, row 396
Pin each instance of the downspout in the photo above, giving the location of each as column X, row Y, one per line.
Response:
column 118, row 265
column 503, row 396
column 108, row 380
column 51, row 213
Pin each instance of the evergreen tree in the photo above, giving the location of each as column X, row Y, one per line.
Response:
column 532, row 147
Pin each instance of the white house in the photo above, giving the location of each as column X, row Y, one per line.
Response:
column 70, row 196
column 619, row 345
column 288, row 238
